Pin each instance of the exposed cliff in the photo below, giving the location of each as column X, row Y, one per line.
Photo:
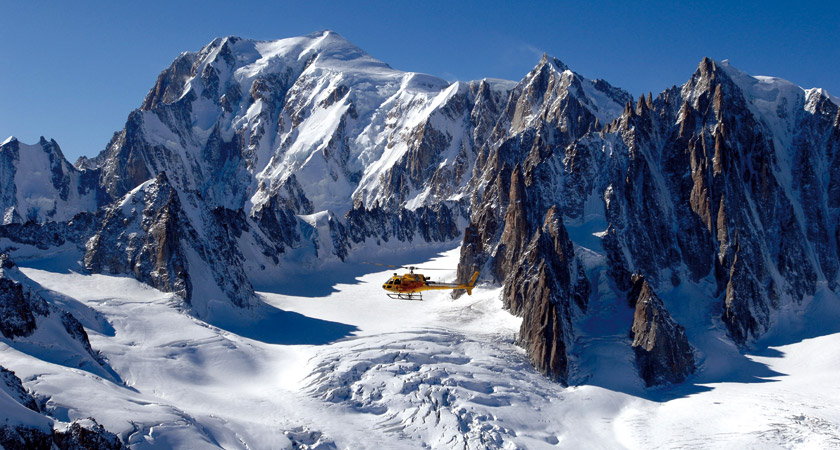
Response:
column 151, row 235
column 663, row 353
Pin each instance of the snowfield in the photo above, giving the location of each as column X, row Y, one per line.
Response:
column 331, row 362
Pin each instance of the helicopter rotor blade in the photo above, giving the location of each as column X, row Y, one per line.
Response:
column 404, row 267
column 383, row 265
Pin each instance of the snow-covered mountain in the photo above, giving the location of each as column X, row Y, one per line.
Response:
column 318, row 146
column 312, row 122
column 627, row 234
column 40, row 185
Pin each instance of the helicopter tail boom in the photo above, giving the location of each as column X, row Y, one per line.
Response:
column 433, row 286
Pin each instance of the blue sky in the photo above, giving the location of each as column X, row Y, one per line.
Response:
column 72, row 71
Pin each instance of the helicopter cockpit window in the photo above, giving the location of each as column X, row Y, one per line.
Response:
column 397, row 281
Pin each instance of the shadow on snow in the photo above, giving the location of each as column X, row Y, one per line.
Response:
column 271, row 325
column 608, row 357
column 70, row 352
column 322, row 282
column 722, row 362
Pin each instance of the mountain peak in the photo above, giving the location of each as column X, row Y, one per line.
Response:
column 820, row 92
column 707, row 67
column 224, row 40
column 552, row 62
column 327, row 44
column 327, row 33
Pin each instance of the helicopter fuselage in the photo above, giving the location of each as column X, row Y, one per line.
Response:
column 406, row 285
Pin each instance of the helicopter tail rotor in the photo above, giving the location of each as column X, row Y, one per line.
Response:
column 471, row 284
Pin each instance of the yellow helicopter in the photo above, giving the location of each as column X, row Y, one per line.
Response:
column 410, row 286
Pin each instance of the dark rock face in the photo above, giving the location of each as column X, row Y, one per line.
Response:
column 18, row 310
column 151, row 246
column 700, row 181
column 432, row 224
column 24, row 438
column 77, row 437
column 46, row 235
column 547, row 287
column 170, row 82
column 124, row 167
column 279, row 225
column 663, row 354
column 707, row 186
column 530, row 174
column 150, row 235
column 12, row 385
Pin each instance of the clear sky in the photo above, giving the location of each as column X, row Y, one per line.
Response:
column 72, row 71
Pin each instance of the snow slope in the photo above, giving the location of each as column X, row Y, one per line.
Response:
column 351, row 368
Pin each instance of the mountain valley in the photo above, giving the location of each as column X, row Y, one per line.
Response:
column 660, row 263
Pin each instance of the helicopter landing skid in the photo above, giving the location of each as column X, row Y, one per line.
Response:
column 406, row 296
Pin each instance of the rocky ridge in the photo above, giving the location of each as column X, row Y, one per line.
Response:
column 700, row 183
column 39, row 184
column 148, row 233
